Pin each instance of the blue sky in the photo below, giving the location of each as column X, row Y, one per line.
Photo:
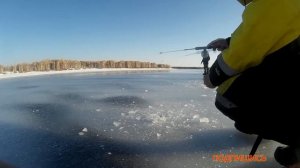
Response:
column 33, row 30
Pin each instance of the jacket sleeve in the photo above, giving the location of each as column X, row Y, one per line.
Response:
column 265, row 28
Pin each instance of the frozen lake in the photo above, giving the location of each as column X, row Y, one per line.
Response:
column 120, row 120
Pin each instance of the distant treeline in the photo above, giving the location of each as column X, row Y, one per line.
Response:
column 58, row 65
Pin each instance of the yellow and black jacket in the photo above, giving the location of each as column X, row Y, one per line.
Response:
column 267, row 26
column 257, row 75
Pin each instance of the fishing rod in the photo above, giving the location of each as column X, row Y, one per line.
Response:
column 196, row 48
column 204, row 54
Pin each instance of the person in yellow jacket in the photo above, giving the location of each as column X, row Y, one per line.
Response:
column 256, row 75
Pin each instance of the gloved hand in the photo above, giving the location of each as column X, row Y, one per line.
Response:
column 207, row 82
column 220, row 44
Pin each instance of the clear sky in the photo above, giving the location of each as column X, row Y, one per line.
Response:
column 33, row 30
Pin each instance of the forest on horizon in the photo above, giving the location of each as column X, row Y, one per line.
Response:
column 59, row 65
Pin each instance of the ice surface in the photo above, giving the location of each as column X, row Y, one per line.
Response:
column 131, row 119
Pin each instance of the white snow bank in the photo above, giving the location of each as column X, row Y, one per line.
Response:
column 35, row 73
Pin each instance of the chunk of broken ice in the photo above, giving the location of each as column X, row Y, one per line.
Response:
column 116, row 123
column 196, row 116
column 132, row 112
column 204, row 120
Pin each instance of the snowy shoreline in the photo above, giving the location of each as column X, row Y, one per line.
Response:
column 35, row 73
